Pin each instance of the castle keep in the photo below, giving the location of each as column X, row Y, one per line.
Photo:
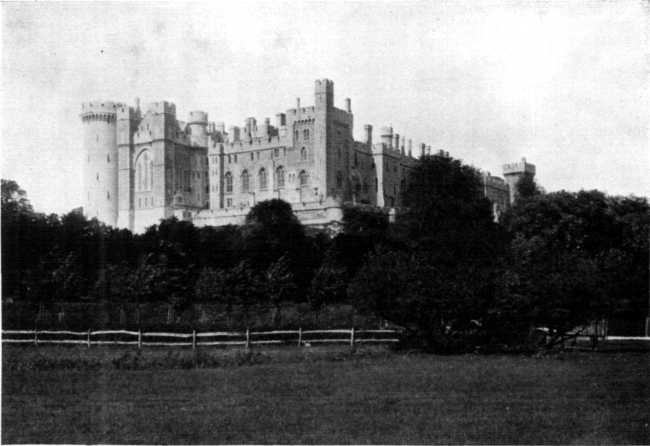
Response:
column 143, row 166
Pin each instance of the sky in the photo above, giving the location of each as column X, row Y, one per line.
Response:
column 563, row 84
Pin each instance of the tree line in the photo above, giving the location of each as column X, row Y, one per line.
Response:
column 445, row 270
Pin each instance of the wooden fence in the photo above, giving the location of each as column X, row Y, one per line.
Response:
column 246, row 338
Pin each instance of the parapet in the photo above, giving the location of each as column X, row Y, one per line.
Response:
column 198, row 117
column 519, row 168
column 162, row 107
column 104, row 110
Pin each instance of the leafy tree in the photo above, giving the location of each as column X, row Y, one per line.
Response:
column 526, row 188
column 279, row 285
column 441, row 283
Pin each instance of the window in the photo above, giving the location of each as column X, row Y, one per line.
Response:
column 244, row 181
column 229, row 159
column 357, row 187
column 276, row 152
column 279, row 175
column 108, row 158
column 252, row 156
column 356, row 160
column 305, row 135
column 228, row 180
column 262, row 178
column 339, row 179
column 376, row 185
column 304, row 178
column 108, row 195
column 144, row 172
column 296, row 135
column 303, row 154
column 229, row 202
column 365, row 187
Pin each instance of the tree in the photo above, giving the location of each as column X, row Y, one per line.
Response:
column 442, row 282
column 279, row 285
column 526, row 188
column 271, row 231
column 571, row 237
column 14, row 198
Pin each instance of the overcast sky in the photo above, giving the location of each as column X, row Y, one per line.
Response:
column 562, row 84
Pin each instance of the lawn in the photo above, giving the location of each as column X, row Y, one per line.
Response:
column 305, row 397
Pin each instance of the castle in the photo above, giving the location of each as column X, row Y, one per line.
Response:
column 143, row 166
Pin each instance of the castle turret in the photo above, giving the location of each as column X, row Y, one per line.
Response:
column 513, row 172
column 198, row 124
column 387, row 136
column 100, row 164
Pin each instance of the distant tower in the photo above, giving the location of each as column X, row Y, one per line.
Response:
column 198, row 126
column 100, row 163
column 513, row 172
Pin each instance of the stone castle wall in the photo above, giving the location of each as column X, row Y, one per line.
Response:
column 197, row 171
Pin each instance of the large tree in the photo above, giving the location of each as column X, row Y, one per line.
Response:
column 441, row 283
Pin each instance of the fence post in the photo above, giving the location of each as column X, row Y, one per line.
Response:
column 35, row 337
column 300, row 337
column 139, row 338
column 248, row 339
column 88, row 338
column 193, row 339
column 352, row 337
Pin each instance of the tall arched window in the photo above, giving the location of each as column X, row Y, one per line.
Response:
column 228, row 181
column 279, row 175
column 244, row 181
column 262, row 178
column 144, row 172
column 303, row 154
column 304, row 178
column 305, row 134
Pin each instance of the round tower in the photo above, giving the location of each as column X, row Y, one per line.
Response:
column 198, row 124
column 100, row 160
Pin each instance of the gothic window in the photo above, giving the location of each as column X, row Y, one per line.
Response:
column 304, row 178
column 339, row 179
column 303, row 154
column 144, row 172
column 262, row 178
column 228, row 180
column 244, row 181
column 279, row 175
column 305, row 135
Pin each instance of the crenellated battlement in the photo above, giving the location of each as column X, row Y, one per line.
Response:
column 100, row 111
column 519, row 168
column 162, row 107
column 198, row 117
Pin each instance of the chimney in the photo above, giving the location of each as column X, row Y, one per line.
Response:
column 368, row 129
column 348, row 105
column 410, row 148
column 423, row 149
column 396, row 145
column 280, row 120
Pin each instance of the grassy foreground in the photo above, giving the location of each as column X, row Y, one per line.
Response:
column 330, row 398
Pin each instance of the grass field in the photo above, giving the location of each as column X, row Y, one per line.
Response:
column 331, row 397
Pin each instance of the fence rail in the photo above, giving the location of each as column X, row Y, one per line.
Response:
column 246, row 338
